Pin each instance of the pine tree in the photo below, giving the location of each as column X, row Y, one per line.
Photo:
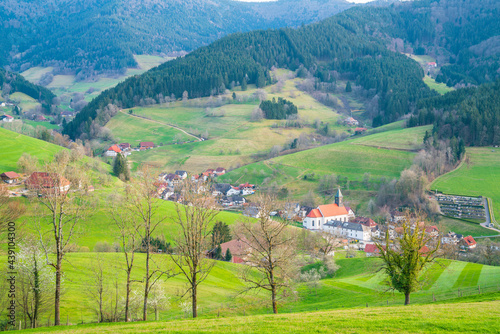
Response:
column 348, row 87
column 244, row 84
column 218, row 253
column 228, row 256
column 120, row 167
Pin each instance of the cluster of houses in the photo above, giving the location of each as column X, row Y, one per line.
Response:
column 340, row 220
column 226, row 194
column 125, row 148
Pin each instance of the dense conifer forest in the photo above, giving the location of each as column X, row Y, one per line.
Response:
column 470, row 114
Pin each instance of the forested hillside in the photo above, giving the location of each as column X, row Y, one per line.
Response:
column 93, row 37
column 14, row 82
column 471, row 114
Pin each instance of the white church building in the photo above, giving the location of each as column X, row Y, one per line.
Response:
column 318, row 217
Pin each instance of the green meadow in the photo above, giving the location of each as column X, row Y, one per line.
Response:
column 439, row 87
column 473, row 317
column 14, row 145
column 357, row 283
column 386, row 156
column 480, row 176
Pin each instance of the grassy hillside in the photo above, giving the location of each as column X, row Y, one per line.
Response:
column 356, row 284
column 479, row 177
column 383, row 154
column 233, row 137
column 481, row 318
column 14, row 145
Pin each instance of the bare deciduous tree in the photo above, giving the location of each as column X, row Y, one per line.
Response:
column 145, row 208
column 270, row 249
column 195, row 220
column 129, row 243
column 34, row 283
column 61, row 203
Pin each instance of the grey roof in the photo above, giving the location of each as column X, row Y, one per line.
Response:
column 338, row 194
column 344, row 225
column 222, row 187
column 180, row 172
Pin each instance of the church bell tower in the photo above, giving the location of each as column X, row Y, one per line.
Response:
column 339, row 199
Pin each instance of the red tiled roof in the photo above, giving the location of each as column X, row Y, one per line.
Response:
column 210, row 171
column 10, row 175
column 330, row 210
column 46, row 180
column 430, row 229
column 470, row 241
column 114, row 148
column 147, row 144
column 246, row 185
column 8, row 116
column 424, row 250
column 220, row 169
column 360, row 129
column 124, row 145
column 314, row 214
column 371, row 248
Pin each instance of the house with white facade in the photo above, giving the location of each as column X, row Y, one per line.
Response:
column 329, row 212
column 349, row 230
column 113, row 151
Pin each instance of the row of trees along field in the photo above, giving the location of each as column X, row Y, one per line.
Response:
column 342, row 43
column 470, row 114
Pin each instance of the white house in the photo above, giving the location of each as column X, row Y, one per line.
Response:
column 247, row 189
column 349, row 230
column 329, row 212
column 113, row 151
column 233, row 191
column 7, row 118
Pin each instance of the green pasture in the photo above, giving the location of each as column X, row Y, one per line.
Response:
column 439, row 87
column 475, row 317
column 14, row 145
column 480, row 176
column 24, row 101
column 34, row 74
column 463, row 227
column 347, row 159
column 133, row 130
column 410, row 139
column 47, row 125
column 357, row 283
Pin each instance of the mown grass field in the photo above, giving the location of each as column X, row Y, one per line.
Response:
column 463, row 227
column 410, row 139
column 355, row 284
column 479, row 177
column 474, row 317
column 14, row 145
column 233, row 137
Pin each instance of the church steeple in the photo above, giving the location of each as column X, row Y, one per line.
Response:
column 339, row 199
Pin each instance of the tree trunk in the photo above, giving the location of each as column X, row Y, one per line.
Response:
column 36, row 294
column 273, row 294
column 146, row 287
column 407, row 298
column 194, row 297
column 127, row 298
column 57, row 298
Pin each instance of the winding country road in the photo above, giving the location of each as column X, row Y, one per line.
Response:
column 161, row 123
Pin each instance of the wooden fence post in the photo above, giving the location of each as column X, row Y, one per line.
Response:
column 479, row 289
